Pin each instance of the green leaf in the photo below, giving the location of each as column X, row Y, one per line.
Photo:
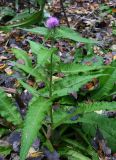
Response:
column 4, row 151
column 107, row 126
column 38, row 30
column 74, row 155
column 75, row 144
column 21, row 54
column 43, row 53
column 32, row 19
column 32, row 90
column 36, row 47
column 8, row 110
column 6, row 11
column 104, row 7
column 106, row 84
column 3, row 131
column 71, row 84
column 22, row 15
column 31, row 71
column 62, row 117
column 77, row 68
column 114, row 31
column 68, row 33
column 62, row 32
column 96, row 106
column 33, row 122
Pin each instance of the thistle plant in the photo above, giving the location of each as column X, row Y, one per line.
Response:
column 68, row 90
column 51, row 24
column 54, row 125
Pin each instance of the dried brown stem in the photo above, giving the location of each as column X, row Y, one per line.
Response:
column 63, row 9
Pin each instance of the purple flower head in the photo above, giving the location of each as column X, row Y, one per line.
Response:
column 52, row 22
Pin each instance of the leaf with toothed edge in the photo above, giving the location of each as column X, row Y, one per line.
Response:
column 8, row 110
column 37, row 111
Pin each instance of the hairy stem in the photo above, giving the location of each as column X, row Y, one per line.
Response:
column 51, row 74
column 50, row 89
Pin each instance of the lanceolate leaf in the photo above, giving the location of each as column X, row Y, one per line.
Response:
column 68, row 33
column 35, row 47
column 3, row 131
column 21, row 54
column 77, row 68
column 6, row 11
column 5, row 150
column 106, row 84
column 31, row 71
column 21, row 16
column 96, row 106
column 71, row 83
column 106, row 125
column 62, row 32
column 75, row 144
column 32, row 90
column 43, row 53
column 32, row 19
column 74, row 155
column 61, row 117
column 8, row 110
column 82, row 146
column 38, row 30
column 33, row 122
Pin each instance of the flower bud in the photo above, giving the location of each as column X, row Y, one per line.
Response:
column 52, row 22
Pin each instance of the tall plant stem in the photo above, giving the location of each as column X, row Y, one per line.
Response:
column 50, row 89
column 51, row 74
column 63, row 9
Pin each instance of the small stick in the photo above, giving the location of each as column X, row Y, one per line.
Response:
column 63, row 9
column 29, row 6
